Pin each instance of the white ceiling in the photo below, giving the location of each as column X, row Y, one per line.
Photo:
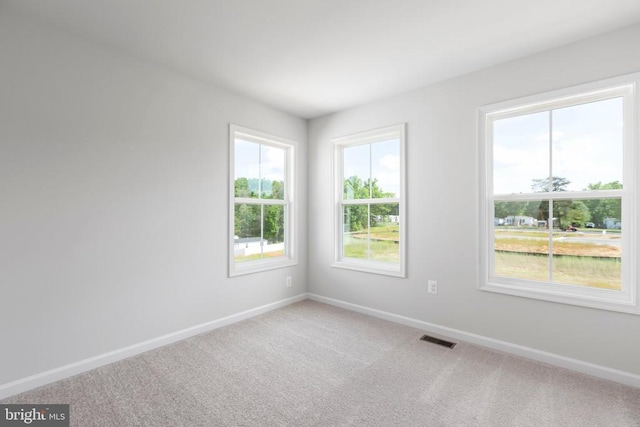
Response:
column 312, row 57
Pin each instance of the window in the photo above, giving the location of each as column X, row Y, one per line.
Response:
column 558, row 218
column 370, row 201
column 261, row 205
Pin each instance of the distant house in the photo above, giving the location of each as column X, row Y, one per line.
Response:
column 393, row 219
column 612, row 223
column 247, row 246
column 254, row 245
column 521, row 221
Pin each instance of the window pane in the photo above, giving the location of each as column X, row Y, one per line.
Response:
column 272, row 169
column 385, row 232
column 587, row 144
column 247, row 240
column 262, row 207
column 587, row 246
column 273, row 226
column 247, row 169
column 355, row 238
column 385, row 164
column 520, row 152
column 521, row 244
column 357, row 172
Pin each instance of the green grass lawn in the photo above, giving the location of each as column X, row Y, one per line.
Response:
column 521, row 254
column 386, row 232
column 605, row 273
column 383, row 245
column 578, row 259
column 273, row 254
column 380, row 250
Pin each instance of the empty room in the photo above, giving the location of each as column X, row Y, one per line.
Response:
column 319, row 213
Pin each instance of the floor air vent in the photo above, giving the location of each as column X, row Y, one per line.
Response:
column 438, row 341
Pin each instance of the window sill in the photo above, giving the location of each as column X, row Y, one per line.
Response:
column 240, row 269
column 370, row 267
column 592, row 298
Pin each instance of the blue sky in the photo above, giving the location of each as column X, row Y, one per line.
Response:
column 254, row 160
column 586, row 146
column 381, row 160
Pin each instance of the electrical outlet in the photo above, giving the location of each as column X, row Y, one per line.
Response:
column 432, row 286
column 289, row 281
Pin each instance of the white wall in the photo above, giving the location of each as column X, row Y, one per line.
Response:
column 113, row 200
column 113, row 193
column 443, row 209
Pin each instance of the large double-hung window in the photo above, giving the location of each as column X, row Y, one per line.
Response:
column 370, row 201
column 558, row 196
column 261, row 205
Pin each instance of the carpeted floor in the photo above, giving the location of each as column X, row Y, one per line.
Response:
column 311, row 364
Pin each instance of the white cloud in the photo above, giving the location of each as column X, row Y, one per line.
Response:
column 390, row 162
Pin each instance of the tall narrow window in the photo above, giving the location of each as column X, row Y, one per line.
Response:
column 370, row 201
column 559, row 190
column 261, row 202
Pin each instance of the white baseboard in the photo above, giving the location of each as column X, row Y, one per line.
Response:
column 592, row 369
column 66, row 371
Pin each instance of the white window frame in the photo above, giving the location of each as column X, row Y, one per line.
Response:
column 290, row 221
column 624, row 300
column 369, row 266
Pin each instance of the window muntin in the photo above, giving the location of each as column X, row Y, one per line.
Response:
column 559, row 185
column 262, row 207
column 370, row 226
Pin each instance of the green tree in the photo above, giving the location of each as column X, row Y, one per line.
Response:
column 542, row 185
column 505, row 209
column 614, row 185
column 247, row 221
column 242, row 188
column 274, row 214
column 578, row 214
column 355, row 188
column 561, row 210
column 537, row 209
column 601, row 209
column 277, row 190
column 560, row 207
column 355, row 216
column 274, row 223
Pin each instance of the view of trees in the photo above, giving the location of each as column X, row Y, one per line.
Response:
column 600, row 209
column 567, row 212
column 557, row 184
column 247, row 216
column 356, row 215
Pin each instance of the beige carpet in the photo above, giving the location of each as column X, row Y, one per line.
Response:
column 311, row 364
